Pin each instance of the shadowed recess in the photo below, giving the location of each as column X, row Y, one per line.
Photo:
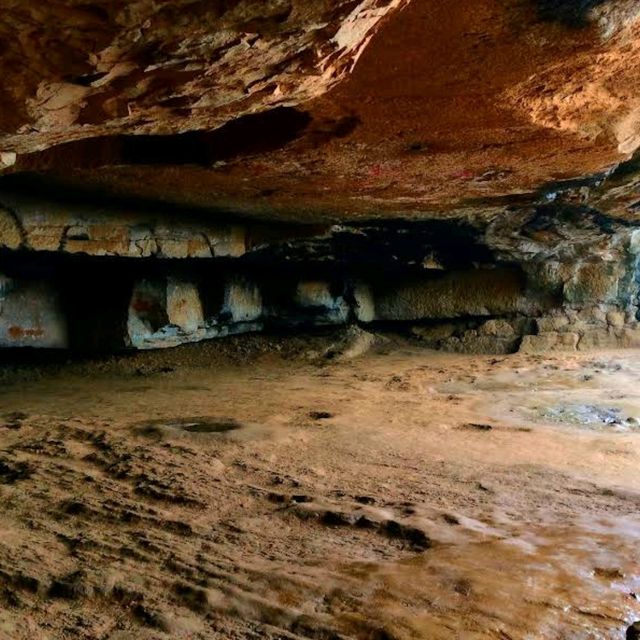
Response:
column 248, row 135
column 571, row 13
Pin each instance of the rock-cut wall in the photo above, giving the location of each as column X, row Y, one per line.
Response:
column 544, row 277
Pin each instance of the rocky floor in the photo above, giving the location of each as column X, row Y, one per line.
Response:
column 263, row 491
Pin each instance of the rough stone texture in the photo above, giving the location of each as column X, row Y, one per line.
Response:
column 531, row 282
column 147, row 312
column 167, row 312
column 317, row 298
column 11, row 232
column 564, row 275
column 448, row 104
column 549, row 342
column 455, row 294
column 39, row 224
column 593, row 281
column 105, row 68
column 30, row 315
column 498, row 328
column 184, row 308
column 496, row 336
column 469, row 164
column 364, row 304
column 242, row 300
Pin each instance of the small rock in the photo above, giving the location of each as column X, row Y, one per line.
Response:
column 354, row 343
column 73, row 586
column 13, row 470
column 475, row 426
column 633, row 632
column 320, row 415
column 609, row 573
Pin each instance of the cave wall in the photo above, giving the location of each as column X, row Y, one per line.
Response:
column 534, row 278
column 463, row 172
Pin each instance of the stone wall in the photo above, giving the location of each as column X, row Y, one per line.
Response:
column 482, row 310
column 543, row 279
column 31, row 315
column 39, row 224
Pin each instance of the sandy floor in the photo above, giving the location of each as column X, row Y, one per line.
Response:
column 407, row 494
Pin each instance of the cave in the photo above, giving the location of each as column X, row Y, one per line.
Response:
column 319, row 320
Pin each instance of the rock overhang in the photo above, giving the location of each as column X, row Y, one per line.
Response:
column 335, row 109
column 470, row 169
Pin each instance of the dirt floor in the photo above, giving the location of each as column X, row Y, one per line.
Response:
column 256, row 489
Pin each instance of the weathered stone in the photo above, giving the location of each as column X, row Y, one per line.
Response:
column 599, row 339
column 107, row 231
column 147, row 311
column 494, row 336
column 454, row 294
column 317, row 298
column 551, row 324
column 364, row 304
column 173, row 242
column 31, row 315
column 592, row 314
column 7, row 159
column 135, row 130
column 88, row 80
column 549, row 342
column 230, row 244
column 498, row 328
column 354, row 343
column 242, row 300
column 314, row 293
column 184, row 308
column 167, row 312
column 616, row 319
column 593, row 282
column 629, row 337
column 434, row 333
column 10, row 231
column 474, row 342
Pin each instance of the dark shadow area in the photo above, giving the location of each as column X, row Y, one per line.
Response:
column 248, row 135
column 34, row 188
column 570, row 13
column 95, row 304
column 386, row 247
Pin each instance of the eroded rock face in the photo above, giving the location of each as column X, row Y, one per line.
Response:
column 322, row 110
column 552, row 277
column 31, row 315
column 105, row 68
column 181, row 170
column 36, row 223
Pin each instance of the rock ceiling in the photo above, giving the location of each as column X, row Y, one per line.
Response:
column 332, row 109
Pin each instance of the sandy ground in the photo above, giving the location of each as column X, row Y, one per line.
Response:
column 212, row 493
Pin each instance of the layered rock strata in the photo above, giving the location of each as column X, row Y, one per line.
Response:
column 545, row 277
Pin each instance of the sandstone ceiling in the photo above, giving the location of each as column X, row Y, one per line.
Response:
column 332, row 109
